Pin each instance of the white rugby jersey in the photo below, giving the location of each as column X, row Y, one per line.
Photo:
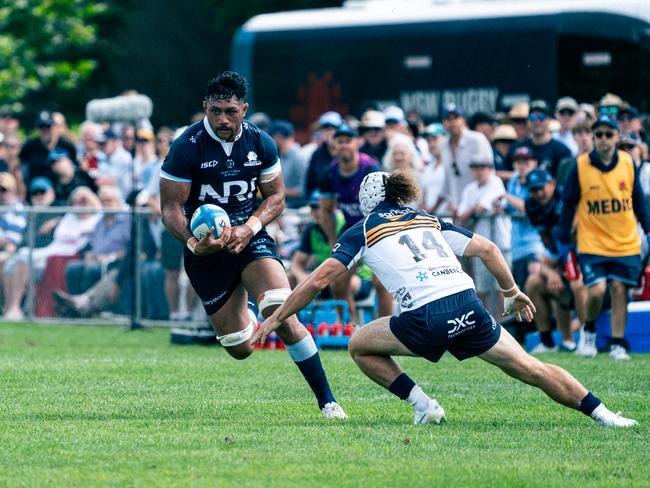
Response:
column 412, row 253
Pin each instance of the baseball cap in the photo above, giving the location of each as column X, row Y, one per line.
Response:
column 434, row 129
column 481, row 118
column 519, row 111
column 44, row 119
column 605, row 120
column 629, row 138
column 566, row 103
column 314, row 199
column 373, row 119
column 523, row 152
column 40, row 183
column 481, row 163
column 630, row 110
column 345, row 130
column 538, row 106
column 56, row 154
column 330, row 119
column 504, row 132
column 452, row 108
column 393, row 113
column 537, row 179
column 144, row 135
column 282, row 128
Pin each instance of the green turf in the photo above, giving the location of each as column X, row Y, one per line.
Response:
column 92, row 406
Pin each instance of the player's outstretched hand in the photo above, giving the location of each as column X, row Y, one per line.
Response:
column 521, row 306
column 265, row 329
column 241, row 235
column 209, row 245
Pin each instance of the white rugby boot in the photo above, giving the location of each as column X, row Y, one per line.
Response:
column 434, row 414
column 587, row 344
column 333, row 410
column 619, row 353
column 606, row 417
column 542, row 348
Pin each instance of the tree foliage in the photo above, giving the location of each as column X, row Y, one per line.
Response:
column 45, row 44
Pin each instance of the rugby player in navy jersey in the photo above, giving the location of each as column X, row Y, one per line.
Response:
column 414, row 255
column 224, row 161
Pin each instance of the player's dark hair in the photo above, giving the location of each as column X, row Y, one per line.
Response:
column 402, row 187
column 227, row 85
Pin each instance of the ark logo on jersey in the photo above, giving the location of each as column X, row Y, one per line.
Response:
column 209, row 164
column 460, row 324
column 252, row 159
column 240, row 189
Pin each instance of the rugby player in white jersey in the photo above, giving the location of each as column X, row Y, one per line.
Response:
column 414, row 255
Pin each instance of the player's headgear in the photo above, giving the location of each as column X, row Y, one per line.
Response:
column 372, row 191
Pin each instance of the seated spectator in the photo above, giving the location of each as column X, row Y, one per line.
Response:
column 433, row 175
column 41, row 194
column 481, row 207
column 503, row 138
column 12, row 222
column 314, row 248
column 68, row 176
column 322, row 157
column 91, row 158
column 395, row 121
column 402, row 154
column 566, row 111
column 70, row 236
column 372, row 129
column 294, row 165
column 117, row 167
column 107, row 244
column 10, row 162
column 145, row 158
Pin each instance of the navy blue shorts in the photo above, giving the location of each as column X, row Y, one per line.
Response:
column 458, row 323
column 626, row 269
column 215, row 277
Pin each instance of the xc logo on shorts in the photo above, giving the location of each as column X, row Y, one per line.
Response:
column 460, row 323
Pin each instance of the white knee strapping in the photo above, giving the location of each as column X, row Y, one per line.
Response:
column 236, row 338
column 273, row 297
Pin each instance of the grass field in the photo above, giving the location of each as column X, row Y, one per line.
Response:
column 91, row 406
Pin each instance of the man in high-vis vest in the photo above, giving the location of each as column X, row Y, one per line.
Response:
column 603, row 193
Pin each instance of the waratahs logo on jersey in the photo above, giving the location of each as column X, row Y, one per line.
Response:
column 252, row 159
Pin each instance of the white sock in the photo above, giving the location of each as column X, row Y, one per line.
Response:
column 418, row 399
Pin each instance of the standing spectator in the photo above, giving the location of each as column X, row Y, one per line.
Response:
column 548, row 289
column 90, row 155
column 41, row 194
column 372, row 129
column 547, row 150
column 34, row 154
column 586, row 112
column 484, row 123
column 433, row 176
column 340, row 187
column 633, row 146
column 566, row 109
column 481, row 203
column 323, row 155
column 107, row 243
column 117, row 168
column 585, row 141
column 604, row 194
column 294, row 166
column 9, row 124
column 518, row 117
column 395, row 121
column 402, row 154
column 68, row 177
column 145, row 158
column 503, row 138
column 628, row 118
column 527, row 247
column 458, row 150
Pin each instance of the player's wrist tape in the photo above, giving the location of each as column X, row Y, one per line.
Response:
column 192, row 245
column 508, row 301
column 254, row 223
column 514, row 287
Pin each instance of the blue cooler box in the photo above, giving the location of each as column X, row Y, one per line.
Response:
column 637, row 331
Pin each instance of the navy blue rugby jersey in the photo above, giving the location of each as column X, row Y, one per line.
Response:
column 222, row 173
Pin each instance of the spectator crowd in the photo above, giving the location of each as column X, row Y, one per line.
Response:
column 502, row 175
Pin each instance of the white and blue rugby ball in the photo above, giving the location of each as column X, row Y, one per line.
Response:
column 206, row 217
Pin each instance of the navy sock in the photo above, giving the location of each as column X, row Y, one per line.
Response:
column 590, row 326
column 402, row 386
column 312, row 369
column 589, row 403
column 547, row 338
column 620, row 341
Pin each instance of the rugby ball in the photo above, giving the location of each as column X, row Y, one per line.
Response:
column 207, row 216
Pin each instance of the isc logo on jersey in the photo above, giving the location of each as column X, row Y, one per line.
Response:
column 240, row 189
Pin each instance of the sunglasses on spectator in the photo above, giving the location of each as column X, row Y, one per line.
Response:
column 600, row 134
column 626, row 117
column 454, row 166
column 537, row 117
column 609, row 111
column 36, row 193
column 3, row 189
column 566, row 111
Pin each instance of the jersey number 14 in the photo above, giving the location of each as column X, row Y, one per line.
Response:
column 428, row 242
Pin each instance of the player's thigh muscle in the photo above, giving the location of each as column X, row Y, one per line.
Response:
column 507, row 353
column 377, row 338
column 233, row 316
column 263, row 274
